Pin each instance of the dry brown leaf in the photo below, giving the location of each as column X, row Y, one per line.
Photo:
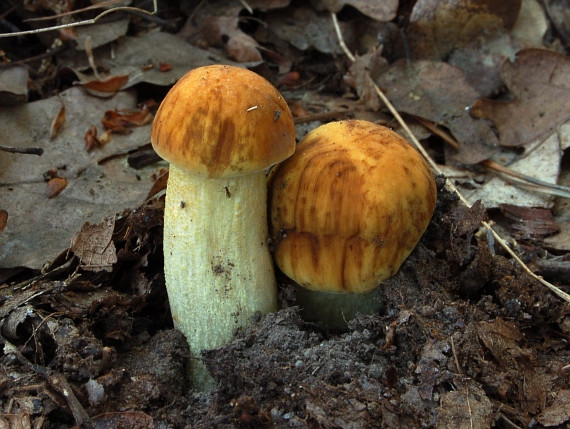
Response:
column 359, row 77
column 540, row 81
column 55, row 186
column 223, row 31
column 118, row 121
column 439, row 26
column 558, row 412
column 57, row 123
column 91, row 140
column 440, row 93
column 110, row 85
column 94, row 246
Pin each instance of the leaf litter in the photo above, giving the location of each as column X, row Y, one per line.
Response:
column 465, row 338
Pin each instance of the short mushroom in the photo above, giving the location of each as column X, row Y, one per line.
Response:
column 346, row 210
column 220, row 127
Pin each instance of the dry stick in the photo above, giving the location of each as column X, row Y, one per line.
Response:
column 86, row 22
column 434, row 166
column 25, row 150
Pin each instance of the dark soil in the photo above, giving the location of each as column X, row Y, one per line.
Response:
column 464, row 339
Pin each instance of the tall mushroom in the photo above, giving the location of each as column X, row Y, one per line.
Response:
column 346, row 210
column 220, row 127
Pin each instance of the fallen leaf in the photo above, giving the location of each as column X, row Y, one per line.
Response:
column 531, row 25
column 94, row 189
column 130, row 54
column 304, row 28
column 540, row 81
column 440, row 93
column 91, row 140
column 55, row 186
column 94, row 246
column 437, row 27
column 164, row 67
column 109, row 86
column 119, row 120
column 13, row 85
column 558, row 412
column 57, row 123
column 101, row 33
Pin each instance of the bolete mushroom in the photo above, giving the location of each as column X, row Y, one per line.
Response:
column 346, row 210
column 220, row 127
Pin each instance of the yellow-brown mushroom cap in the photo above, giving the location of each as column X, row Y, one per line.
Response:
column 222, row 121
column 349, row 206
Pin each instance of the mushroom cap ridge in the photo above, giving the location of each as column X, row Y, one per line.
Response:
column 222, row 121
column 349, row 207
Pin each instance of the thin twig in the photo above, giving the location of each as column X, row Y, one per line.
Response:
column 436, row 169
column 25, row 150
column 85, row 22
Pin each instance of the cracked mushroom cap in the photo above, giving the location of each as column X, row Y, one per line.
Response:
column 222, row 121
column 349, row 206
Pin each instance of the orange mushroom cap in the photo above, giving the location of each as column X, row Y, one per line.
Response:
column 349, row 206
column 222, row 121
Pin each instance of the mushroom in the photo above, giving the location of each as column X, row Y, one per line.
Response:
column 345, row 211
column 220, row 127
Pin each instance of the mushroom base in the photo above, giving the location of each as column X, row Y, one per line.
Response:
column 217, row 265
column 335, row 310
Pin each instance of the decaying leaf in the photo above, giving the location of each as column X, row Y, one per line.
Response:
column 440, row 93
column 558, row 412
column 359, row 77
column 304, row 28
column 466, row 407
column 91, row 140
column 55, row 186
column 33, row 236
column 94, row 246
column 501, row 338
column 106, row 87
column 164, row 67
column 118, row 121
column 530, row 223
column 540, row 81
column 57, row 123
column 439, row 26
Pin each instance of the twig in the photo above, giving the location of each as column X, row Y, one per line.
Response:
column 448, row 183
column 86, row 22
column 25, row 150
column 455, row 356
column 554, row 189
column 57, row 381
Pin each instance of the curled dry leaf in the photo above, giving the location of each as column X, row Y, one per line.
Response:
column 118, row 121
column 57, row 123
column 91, row 140
column 164, row 67
column 107, row 86
column 55, row 186
column 93, row 244
column 540, row 81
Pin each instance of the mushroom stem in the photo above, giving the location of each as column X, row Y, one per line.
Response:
column 218, row 268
